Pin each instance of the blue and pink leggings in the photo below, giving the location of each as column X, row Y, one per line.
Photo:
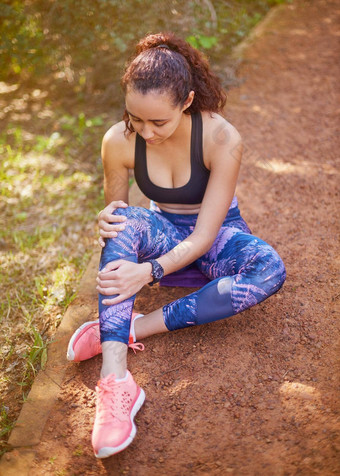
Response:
column 243, row 269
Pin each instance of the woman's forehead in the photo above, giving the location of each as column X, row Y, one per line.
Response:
column 153, row 105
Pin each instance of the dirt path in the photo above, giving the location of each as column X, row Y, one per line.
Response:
column 257, row 393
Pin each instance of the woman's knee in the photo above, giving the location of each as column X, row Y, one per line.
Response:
column 273, row 272
column 126, row 240
column 131, row 212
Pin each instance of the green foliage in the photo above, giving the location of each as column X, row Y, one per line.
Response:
column 85, row 42
column 49, row 201
column 38, row 351
column 79, row 124
column 21, row 39
column 202, row 42
column 6, row 425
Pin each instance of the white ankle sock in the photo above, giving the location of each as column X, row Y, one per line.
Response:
column 122, row 379
column 132, row 329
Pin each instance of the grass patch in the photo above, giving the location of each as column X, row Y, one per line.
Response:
column 6, row 425
column 49, row 203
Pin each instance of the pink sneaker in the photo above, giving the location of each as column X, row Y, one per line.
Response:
column 117, row 405
column 85, row 342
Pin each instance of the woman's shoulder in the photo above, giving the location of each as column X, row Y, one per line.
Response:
column 116, row 135
column 218, row 131
column 116, row 143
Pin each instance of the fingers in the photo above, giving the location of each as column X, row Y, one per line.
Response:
column 108, row 280
column 110, row 266
column 112, row 291
column 107, row 218
column 118, row 280
column 117, row 204
column 107, row 229
column 116, row 300
column 107, row 221
column 112, row 207
column 110, row 231
column 107, row 291
column 105, row 284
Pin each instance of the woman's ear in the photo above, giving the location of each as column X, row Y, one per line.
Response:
column 188, row 100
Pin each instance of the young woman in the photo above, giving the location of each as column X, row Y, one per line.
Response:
column 186, row 158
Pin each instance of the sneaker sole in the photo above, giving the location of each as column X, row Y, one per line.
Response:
column 70, row 353
column 109, row 451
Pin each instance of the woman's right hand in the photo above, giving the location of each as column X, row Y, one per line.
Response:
column 109, row 224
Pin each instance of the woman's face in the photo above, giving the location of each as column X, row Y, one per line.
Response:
column 153, row 114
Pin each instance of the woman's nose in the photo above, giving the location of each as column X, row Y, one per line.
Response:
column 147, row 132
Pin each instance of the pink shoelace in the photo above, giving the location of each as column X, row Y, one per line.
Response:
column 113, row 402
column 136, row 346
column 105, row 404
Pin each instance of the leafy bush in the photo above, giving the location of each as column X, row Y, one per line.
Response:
column 86, row 42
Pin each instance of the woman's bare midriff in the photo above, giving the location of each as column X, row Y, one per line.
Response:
column 179, row 208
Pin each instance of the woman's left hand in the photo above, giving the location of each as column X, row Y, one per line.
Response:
column 124, row 278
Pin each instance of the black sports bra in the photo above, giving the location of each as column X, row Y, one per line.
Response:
column 193, row 191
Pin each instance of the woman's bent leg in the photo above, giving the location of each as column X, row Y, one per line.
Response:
column 150, row 324
column 245, row 271
column 146, row 235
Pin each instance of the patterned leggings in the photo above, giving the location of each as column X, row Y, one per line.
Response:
column 243, row 269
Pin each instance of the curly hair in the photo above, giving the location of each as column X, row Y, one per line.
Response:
column 167, row 63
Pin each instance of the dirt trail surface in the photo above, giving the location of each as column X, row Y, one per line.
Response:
column 256, row 394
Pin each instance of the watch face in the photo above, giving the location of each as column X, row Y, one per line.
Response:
column 157, row 270
column 158, row 273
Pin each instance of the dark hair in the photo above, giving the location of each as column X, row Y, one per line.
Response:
column 167, row 63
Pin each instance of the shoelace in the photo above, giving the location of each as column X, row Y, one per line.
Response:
column 107, row 395
column 136, row 346
column 106, row 386
column 110, row 407
column 106, row 389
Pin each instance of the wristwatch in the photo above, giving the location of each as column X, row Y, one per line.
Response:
column 157, row 271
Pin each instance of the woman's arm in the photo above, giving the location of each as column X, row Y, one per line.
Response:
column 116, row 163
column 223, row 152
column 115, row 157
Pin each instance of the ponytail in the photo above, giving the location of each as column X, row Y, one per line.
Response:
column 167, row 63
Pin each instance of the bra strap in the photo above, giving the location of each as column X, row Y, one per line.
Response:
column 197, row 138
